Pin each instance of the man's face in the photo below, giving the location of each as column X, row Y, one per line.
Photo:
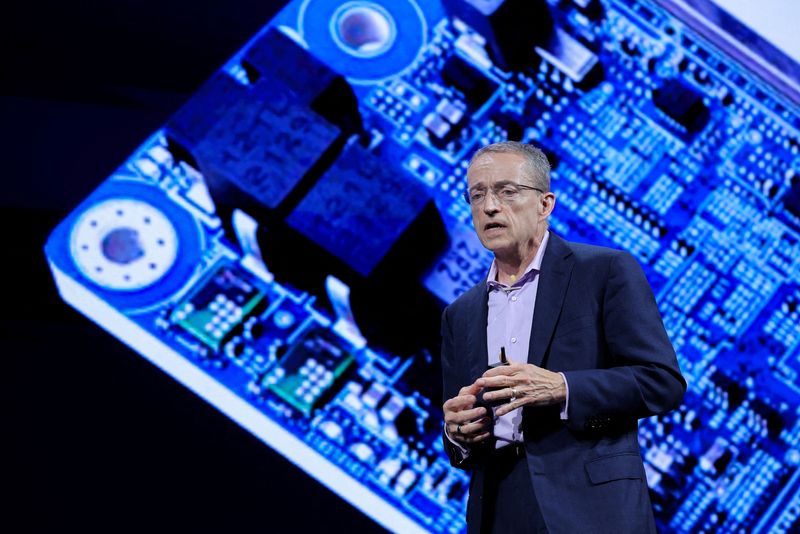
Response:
column 507, row 227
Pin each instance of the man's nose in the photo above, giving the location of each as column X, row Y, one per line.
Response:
column 490, row 203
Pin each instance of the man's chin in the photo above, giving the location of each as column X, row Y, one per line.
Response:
column 490, row 243
column 497, row 245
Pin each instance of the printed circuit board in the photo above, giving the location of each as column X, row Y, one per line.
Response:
column 283, row 246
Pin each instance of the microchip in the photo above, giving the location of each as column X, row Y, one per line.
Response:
column 475, row 87
column 511, row 124
column 256, row 143
column 207, row 106
column 791, row 200
column 359, row 209
column 265, row 146
column 275, row 56
column 218, row 306
column 682, row 104
column 573, row 58
column 774, row 420
column 511, row 28
column 309, row 370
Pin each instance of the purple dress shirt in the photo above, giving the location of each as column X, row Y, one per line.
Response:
column 509, row 324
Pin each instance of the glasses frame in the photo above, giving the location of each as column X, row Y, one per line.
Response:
column 520, row 187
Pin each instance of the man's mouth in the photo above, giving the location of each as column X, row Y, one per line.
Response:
column 493, row 225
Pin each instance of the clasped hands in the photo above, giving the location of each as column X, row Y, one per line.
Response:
column 522, row 384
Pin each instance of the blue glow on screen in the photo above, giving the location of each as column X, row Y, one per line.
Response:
column 342, row 131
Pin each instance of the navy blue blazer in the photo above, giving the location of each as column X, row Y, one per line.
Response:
column 595, row 320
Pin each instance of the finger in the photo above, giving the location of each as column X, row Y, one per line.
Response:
column 513, row 405
column 505, row 393
column 501, row 381
column 471, row 389
column 469, row 428
column 465, row 416
column 462, row 402
column 476, row 427
column 501, row 370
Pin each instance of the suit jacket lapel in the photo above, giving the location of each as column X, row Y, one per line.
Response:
column 553, row 282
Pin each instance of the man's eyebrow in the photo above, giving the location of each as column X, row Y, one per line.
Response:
column 499, row 182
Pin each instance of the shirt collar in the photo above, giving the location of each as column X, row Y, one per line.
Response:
column 533, row 267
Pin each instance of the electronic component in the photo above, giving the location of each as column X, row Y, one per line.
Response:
column 366, row 41
column 359, row 209
column 345, row 326
column 511, row 126
column 444, row 123
column 571, row 57
column 682, row 104
column 439, row 130
column 131, row 243
column 262, row 140
column 792, row 199
column 717, row 458
column 452, row 112
column 591, row 8
column 124, row 244
column 511, row 27
column 192, row 122
column 217, row 307
column 309, row 370
column 271, row 142
column 471, row 82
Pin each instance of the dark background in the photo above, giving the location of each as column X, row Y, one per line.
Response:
column 101, row 439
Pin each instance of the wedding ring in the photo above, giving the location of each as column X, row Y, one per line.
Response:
column 458, row 429
column 513, row 393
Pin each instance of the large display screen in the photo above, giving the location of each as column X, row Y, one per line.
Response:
column 284, row 245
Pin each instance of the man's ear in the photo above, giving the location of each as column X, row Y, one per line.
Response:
column 548, row 203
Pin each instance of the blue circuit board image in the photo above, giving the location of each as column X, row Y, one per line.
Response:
column 284, row 244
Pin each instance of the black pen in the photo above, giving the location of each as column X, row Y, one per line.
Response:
column 503, row 358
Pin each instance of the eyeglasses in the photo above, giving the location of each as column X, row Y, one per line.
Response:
column 505, row 193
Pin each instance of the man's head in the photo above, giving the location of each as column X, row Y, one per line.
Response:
column 508, row 185
column 536, row 166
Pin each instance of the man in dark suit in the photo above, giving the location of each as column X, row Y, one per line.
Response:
column 578, row 354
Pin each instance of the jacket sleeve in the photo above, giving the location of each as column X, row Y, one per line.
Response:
column 460, row 457
column 643, row 378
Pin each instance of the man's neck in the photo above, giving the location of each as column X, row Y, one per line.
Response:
column 509, row 272
column 510, row 268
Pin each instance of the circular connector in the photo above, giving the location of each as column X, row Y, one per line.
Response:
column 363, row 29
column 124, row 244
